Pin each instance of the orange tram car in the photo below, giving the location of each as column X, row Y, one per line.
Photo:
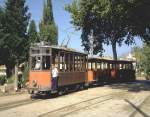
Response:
column 75, row 70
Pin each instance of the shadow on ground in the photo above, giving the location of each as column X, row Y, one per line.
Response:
column 136, row 86
column 51, row 96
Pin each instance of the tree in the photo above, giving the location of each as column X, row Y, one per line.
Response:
column 1, row 32
column 48, row 28
column 146, row 60
column 32, row 33
column 143, row 59
column 138, row 19
column 14, row 46
column 138, row 54
column 107, row 21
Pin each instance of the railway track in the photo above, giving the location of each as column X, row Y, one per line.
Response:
column 138, row 108
column 70, row 109
column 17, row 104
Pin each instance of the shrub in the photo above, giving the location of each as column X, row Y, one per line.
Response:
column 2, row 80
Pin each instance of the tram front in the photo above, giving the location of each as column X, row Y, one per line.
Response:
column 40, row 73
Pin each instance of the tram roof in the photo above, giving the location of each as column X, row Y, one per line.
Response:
column 108, row 60
column 58, row 47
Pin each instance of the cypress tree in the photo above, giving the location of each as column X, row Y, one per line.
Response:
column 48, row 28
column 32, row 33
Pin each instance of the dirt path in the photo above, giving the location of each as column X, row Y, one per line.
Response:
column 117, row 100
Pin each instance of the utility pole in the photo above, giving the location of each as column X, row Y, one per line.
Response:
column 16, row 77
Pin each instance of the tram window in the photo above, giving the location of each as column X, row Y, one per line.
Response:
column 102, row 65
column 71, row 62
column 98, row 66
column 35, row 51
column 126, row 66
column 67, row 62
column 46, row 62
column 113, row 66
column 117, row 66
column 123, row 66
column 110, row 66
column 36, row 63
column 120, row 66
column 61, row 66
column 79, row 64
column 129, row 66
column 89, row 66
column 76, row 63
column 93, row 65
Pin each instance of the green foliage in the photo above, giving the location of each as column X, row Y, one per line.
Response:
column 2, row 80
column 109, row 22
column 143, row 59
column 11, row 79
column 25, row 74
column 14, row 43
column 48, row 28
column 138, row 54
column 32, row 33
column 146, row 60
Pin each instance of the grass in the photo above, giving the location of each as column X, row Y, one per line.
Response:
column 11, row 79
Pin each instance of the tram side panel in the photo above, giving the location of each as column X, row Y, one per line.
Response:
column 40, row 80
column 71, row 78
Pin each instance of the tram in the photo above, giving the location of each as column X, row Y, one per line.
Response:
column 71, row 66
column 110, row 71
column 75, row 69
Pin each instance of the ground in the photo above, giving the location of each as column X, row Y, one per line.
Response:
column 114, row 100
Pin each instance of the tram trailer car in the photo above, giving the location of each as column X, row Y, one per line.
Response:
column 71, row 67
column 109, row 71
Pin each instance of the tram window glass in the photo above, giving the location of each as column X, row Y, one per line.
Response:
column 61, row 60
column 67, row 62
column 47, row 51
column 35, row 51
column 75, row 62
column 46, row 62
column 120, row 66
column 110, row 66
column 102, row 65
column 35, row 63
column 98, row 66
column 79, row 64
column 113, row 66
column 126, row 66
column 93, row 65
column 117, row 66
column 123, row 66
column 71, row 62
column 130, row 66
column 89, row 65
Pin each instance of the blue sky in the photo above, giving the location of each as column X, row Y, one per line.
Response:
column 65, row 29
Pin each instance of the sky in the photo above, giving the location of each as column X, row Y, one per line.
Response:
column 65, row 28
